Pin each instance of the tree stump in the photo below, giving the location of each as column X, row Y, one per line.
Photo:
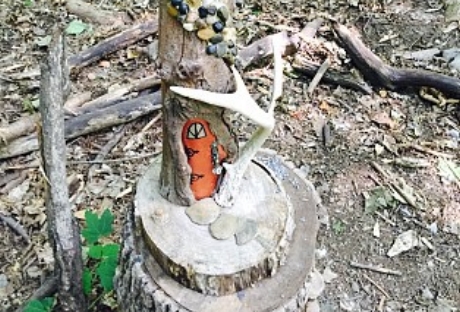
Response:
column 213, row 228
column 191, row 271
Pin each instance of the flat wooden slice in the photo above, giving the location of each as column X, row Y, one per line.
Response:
column 169, row 263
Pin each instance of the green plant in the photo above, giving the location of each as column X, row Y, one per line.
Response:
column 338, row 226
column 42, row 305
column 28, row 3
column 101, row 258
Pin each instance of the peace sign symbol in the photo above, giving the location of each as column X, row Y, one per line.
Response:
column 196, row 131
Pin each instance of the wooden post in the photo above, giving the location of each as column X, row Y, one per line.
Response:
column 183, row 62
column 213, row 228
column 62, row 227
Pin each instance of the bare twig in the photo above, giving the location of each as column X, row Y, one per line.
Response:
column 151, row 122
column 107, row 148
column 319, row 74
column 93, row 14
column 393, row 184
column 375, row 269
column 15, row 226
column 380, row 288
column 430, row 151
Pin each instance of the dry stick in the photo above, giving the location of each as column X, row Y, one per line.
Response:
column 319, row 74
column 262, row 49
column 135, row 86
column 380, row 288
column 74, row 107
column 15, row 226
column 90, row 122
column 332, row 76
column 92, row 13
column 395, row 186
column 151, row 122
column 104, row 48
column 108, row 147
column 63, row 229
column 77, row 101
column 112, row 44
column 429, row 151
column 289, row 44
column 115, row 160
column 376, row 71
column 375, row 269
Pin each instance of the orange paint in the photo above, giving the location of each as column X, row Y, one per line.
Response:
column 204, row 155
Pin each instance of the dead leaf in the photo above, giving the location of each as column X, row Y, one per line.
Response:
column 404, row 242
column 384, row 120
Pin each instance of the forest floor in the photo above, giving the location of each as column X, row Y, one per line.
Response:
column 334, row 134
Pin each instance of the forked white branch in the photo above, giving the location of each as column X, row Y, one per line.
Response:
column 242, row 102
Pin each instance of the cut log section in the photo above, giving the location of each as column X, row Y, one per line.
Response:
column 169, row 263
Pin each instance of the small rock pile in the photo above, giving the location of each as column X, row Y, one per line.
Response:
column 212, row 22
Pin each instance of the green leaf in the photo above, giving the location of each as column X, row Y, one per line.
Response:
column 43, row 305
column 379, row 198
column 110, row 251
column 106, row 271
column 95, row 251
column 28, row 3
column 76, row 27
column 97, row 227
column 338, row 227
column 87, row 281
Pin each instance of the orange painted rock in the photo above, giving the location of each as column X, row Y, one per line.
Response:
column 204, row 156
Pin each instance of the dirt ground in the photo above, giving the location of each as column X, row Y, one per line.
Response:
column 335, row 135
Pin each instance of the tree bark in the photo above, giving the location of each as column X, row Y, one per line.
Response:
column 183, row 63
column 62, row 227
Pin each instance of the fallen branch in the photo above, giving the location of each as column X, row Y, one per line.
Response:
column 113, row 44
column 332, row 76
column 89, row 122
column 75, row 107
column 93, row 14
column 102, row 49
column 380, row 74
column 289, row 44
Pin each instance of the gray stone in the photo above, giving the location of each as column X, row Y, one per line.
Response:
column 246, row 232
column 223, row 13
column 203, row 212
column 216, row 39
column 221, row 49
column 224, row 227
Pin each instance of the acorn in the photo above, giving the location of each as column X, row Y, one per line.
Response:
column 217, row 27
column 211, row 49
column 176, row 2
column 202, row 12
column 183, row 8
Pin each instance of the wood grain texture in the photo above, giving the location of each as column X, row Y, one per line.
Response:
column 142, row 285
